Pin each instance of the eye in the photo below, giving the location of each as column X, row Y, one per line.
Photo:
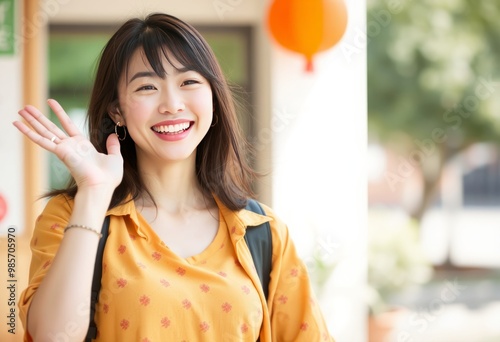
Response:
column 189, row 82
column 146, row 87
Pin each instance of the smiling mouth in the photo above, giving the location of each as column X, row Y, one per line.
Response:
column 173, row 129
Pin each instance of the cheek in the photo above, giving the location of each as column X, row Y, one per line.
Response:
column 204, row 105
column 136, row 111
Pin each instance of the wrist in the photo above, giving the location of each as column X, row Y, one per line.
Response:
column 100, row 192
column 95, row 231
column 90, row 207
column 95, row 199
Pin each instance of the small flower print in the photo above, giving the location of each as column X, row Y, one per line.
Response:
column 121, row 282
column 283, row 299
column 144, row 300
column 233, row 230
column 304, row 326
column 156, row 256
column 124, row 324
column 223, row 274
column 186, row 304
column 145, row 339
column 294, row 272
column 105, row 308
column 47, row 264
column 180, row 271
column 165, row 322
column 226, row 307
column 164, row 282
column 244, row 328
column 132, row 237
column 204, row 326
column 141, row 265
column 245, row 289
column 122, row 249
column 55, row 226
column 204, row 288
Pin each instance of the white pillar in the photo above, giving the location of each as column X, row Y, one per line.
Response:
column 319, row 177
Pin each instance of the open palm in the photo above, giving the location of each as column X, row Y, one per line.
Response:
column 88, row 167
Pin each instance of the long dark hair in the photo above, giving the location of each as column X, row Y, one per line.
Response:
column 221, row 166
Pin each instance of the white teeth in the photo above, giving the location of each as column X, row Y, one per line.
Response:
column 178, row 128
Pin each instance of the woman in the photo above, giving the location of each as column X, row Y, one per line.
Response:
column 174, row 183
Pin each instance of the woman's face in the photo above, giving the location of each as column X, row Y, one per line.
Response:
column 166, row 117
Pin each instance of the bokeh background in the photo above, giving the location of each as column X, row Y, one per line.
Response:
column 433, row 156
column 384, row 161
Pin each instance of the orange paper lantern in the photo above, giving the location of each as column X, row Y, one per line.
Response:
column 307, row 26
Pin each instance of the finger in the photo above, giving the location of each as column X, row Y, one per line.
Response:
column 64, row 119
column 35, row 137
column 37, row 126
column 113, row 145
column 41, row 123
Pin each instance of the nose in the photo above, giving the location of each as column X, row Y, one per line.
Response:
column 171, row 101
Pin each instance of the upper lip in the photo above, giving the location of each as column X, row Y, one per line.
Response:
column 172, row 122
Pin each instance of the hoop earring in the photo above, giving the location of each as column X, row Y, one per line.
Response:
column 216, row 120
column 124, row 131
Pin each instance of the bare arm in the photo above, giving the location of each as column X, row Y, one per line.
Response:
column 60, row 305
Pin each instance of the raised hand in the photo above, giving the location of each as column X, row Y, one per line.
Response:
column 89, row 168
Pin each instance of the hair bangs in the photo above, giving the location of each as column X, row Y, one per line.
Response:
column 158, row 45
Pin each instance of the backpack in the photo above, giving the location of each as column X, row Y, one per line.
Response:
column 258, row 239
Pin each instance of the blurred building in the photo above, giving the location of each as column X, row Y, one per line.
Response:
column 460, row 226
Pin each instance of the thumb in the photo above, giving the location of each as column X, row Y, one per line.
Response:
column 113, row 145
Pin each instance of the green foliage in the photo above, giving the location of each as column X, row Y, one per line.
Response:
column 396, row 260
column 72, row 60
column 231, row 52
column 432, row 64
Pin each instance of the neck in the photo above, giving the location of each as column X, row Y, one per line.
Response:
column 173, row 186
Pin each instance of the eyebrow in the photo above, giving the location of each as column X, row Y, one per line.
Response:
column 153, row 74
column 142, row 74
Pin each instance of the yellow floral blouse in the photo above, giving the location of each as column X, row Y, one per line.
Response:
column 150, row 294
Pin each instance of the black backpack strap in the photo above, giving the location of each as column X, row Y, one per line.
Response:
column 96, row 281
column 259, row 241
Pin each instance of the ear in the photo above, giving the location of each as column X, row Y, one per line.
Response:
column 115, row 113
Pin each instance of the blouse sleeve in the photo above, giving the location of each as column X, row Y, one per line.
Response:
column 294, row 311
column 47, row 236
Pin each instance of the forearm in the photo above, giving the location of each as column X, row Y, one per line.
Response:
column 62, row 301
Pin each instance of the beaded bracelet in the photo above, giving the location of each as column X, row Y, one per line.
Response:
column 82, row 227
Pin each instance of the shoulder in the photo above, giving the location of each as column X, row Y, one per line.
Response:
column 279, row 228
column 49, row 225
column 60, row 205
column 56, row 213
column 270, row 212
